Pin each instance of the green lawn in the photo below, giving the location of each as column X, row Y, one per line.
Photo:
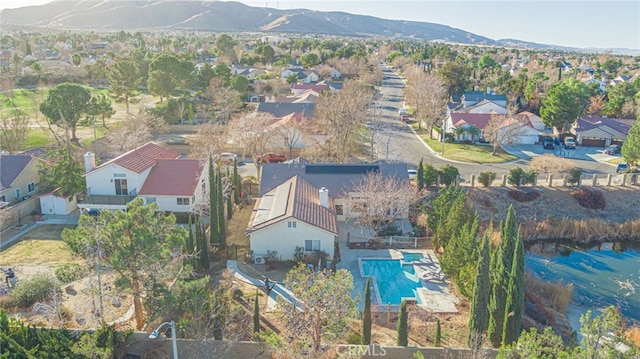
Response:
column 37, row 137
column 465, row 153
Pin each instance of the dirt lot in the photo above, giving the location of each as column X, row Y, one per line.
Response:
column 556, row 202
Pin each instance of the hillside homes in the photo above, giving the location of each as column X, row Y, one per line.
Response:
column 150, row 172
column 601, row 131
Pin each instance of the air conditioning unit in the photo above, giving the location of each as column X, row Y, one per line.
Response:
column 258, row 260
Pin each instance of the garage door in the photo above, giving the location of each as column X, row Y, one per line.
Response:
column 593, row 142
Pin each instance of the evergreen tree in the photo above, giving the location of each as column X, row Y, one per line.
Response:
column 366, row 314
column 403, row 326
column 189, row 247
column 256, row 315
column 515, row 295
column 479, row 316
column 500, row 270
column 205, row 248
column 229, row 199
column 222, row 230
column 420, row 175
column 436, row 341
column 213, row 208
column 236, row 183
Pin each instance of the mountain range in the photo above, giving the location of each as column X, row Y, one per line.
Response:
column 221, row 16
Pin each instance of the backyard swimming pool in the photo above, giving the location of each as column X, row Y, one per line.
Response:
column 394, row 280
column 412, row 257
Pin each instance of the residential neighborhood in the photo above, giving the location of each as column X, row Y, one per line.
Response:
column 301, row 195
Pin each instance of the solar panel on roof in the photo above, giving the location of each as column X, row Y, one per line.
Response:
column 341, row 169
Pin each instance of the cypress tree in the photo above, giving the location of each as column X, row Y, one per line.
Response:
column 436, row 341
column 256, row 315
column 236, row 183
column 222, row 230
column 190, row 244
column 205, row 249
column 420, row 176
column 403, row 326
column 479, row 316
column 500, row 271
column 213, row 208
column 515, row 296
column 229, row 199
column 366, row 314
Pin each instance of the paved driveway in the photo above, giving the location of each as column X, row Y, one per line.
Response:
column 581, row 153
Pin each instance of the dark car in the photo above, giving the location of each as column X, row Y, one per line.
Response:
column 548, row 143
column 612, row 150
column 622, row 166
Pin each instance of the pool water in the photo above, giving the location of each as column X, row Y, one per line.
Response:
column 395, row 281
column 412, row 257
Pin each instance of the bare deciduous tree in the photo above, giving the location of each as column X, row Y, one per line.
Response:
column 223, row 98
column 134, row 133
column 13, row 130
column 210, row 140
column 549, row 163
column 376, row 199
column 503, row 130
column 341, row 115
column 254, row 132
column 427, row 94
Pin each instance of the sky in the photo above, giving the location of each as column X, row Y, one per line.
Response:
column 601, row 24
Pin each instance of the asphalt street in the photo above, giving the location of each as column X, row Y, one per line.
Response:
column 395, row 140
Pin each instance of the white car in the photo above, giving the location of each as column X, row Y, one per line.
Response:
column 412, row 174
column 228, row 157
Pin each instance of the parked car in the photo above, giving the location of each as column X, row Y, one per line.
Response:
column 228, row 157
column 548, row 143
column 612, row 150
column 273, row 158
column 412, row 174
column 570, row 143
column 369, row 124
column 404, row 118
column 622, row 166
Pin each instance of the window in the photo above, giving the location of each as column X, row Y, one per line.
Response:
column 3, row 199
column 121, row 187
column 18, row 194
column 31, row 187
column 150, row 200
column 311, row 245
column 291, row 224
column 119, row 175
column 183, row 201
column 339, row 209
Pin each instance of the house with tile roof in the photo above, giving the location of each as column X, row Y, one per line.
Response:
column 293, row 214
column 467, row 120
column 150, row 172
column 601, row 131
column 19, row 178
column 300, row 204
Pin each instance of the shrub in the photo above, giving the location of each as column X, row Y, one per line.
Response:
column 448, row 174
column 354, row 339
column 574, row 175
column 590, row 198
column 486, row 178
column 524, row 195
column 33, row 290
column 69, row 272
column 298, row 255
column 271, row 256
column 430, row 175
column 518, row 176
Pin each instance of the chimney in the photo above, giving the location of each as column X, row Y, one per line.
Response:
column 89, row 161
column 324, row 197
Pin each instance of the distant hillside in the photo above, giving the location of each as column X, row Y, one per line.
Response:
column 222, row 16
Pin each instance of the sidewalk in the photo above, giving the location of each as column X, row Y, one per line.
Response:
column 277, row 290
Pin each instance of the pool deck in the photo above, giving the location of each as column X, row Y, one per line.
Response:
column 435, row 296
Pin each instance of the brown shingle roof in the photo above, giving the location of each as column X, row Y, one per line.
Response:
column 173, row 177
column 141, row 158
column 302, row 203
